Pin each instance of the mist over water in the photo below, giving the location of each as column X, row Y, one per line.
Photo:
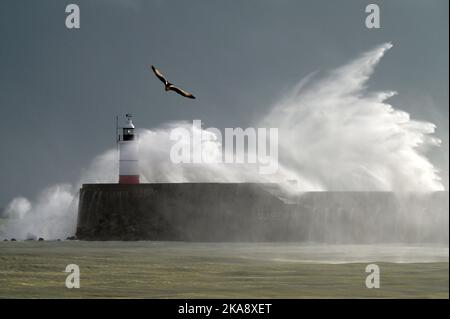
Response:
column 334, row 135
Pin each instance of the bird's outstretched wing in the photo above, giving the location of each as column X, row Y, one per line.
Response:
column 159, row 75
column 181, row 92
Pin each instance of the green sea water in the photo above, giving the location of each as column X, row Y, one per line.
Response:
column 34, row 269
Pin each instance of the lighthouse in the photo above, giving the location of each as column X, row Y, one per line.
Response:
column 128, row 154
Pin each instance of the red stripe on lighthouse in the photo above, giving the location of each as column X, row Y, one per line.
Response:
column 129, row 179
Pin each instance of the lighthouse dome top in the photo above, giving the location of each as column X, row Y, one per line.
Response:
column 129, row 122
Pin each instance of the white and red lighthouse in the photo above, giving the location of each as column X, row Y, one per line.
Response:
column 128, row 154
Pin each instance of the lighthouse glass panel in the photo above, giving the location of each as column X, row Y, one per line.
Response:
column 128, row 134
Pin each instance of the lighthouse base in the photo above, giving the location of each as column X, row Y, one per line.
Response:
column 129, row 179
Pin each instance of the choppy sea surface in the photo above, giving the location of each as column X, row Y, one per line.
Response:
column 143, row 269
column 279, row 252
column 300, row 252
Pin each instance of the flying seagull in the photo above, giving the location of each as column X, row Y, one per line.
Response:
column 169, row 86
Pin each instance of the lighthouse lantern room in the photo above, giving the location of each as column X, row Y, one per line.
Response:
column 128, row 154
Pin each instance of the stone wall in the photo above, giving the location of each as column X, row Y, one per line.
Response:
column 257, row 212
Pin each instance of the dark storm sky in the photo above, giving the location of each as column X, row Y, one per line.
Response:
column 60, row 89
